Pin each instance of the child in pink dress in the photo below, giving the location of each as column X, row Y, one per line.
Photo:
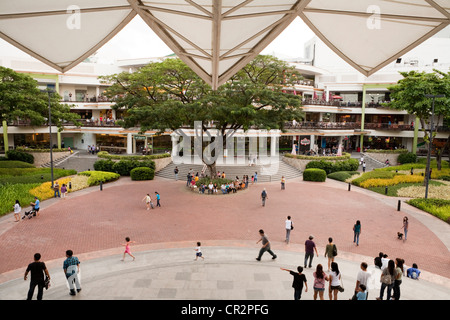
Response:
column 127, row 248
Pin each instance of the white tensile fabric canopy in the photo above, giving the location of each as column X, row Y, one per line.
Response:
column 216, row 38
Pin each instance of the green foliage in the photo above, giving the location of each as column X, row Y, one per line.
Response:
column 330, row 166
column 342, row 175
column 142, row 173
column 104, row 165
column 437, row 207
column 15, row 164
column 375, row 174
column 314, row 174
column 344, row 156
column 9, row 193
column 218, row 181
column 407, row 158
column 31, row 175
column 21, row 99
column 19, row 156
column 95, row 177
column 106, row 155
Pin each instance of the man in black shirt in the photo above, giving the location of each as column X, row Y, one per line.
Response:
column 297, row 284
column 37, row 269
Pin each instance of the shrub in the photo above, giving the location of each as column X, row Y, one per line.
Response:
column 407, row 158
column 375, row 174
column 15, row 164
column 104, row 165
column 437, row 207
column 314, row 174
column 9, row 193
column 95, row 177
column 31, row 175
column 398, row 179
column 342, row 175
column 20, row 156
column 45, row 191
column 142, row 173
column 330, row 167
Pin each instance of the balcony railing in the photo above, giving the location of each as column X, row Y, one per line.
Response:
column 346, row 125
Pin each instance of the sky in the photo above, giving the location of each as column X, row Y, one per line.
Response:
column 137, row 40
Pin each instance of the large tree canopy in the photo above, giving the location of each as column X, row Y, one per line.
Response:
column 168, row 95
column 21, row 99
column 410, row 94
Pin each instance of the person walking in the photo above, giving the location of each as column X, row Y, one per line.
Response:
column 264, row 196
column 256, row 177
column 362, row 278
column 398, row 277
column 37, row 269
column 405, row 227
column 198, row 252
column 265, row 246
column 298, row 281
column 356, row 232
column 17, row 210
column 158, row 198
column 335, row 281
column 283, row 183
column 36, row 206
column 127, row 248
column 175, row 171
column 289, row 226
column 148, row 201
column 364, row 166
column 319, row 282
column 310, row 246
column 330, row 252
column 71, row 267
column 387, row 280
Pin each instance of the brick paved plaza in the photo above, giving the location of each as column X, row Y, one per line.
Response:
column 94, row 224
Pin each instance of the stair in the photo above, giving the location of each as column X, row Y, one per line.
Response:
column 231, row 171
column 371, row 163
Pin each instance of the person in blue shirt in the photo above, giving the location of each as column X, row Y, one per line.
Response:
column 362, row 293
column 413, row 272
column 158, row 197
column 71, row 268
column 36, row 205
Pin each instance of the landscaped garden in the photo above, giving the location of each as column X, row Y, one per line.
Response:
column 22, row 181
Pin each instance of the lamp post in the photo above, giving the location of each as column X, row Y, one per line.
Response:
column 427, row 170
column 50, row 133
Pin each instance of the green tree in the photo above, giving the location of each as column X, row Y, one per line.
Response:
column 21, row 99
column 168, row 95
column 410, row 94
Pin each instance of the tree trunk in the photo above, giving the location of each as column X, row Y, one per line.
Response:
column 212, row 170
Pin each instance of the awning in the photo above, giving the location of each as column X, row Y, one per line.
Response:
column 216, row 38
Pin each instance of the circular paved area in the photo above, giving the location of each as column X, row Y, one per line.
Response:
column 94, row 224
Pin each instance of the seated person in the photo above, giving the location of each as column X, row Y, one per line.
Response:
column 224, row 188
column 413, row 272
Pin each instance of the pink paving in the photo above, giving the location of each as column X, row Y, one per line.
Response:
column 100, row 220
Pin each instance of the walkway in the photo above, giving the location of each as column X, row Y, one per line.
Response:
column 94, row 223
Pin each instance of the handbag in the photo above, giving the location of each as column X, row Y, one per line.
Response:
column 334, row 250
column 292, row 226
column 341, row 287
column 46, row 283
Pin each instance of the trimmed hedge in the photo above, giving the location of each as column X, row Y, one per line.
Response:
column 122, row 167
column 314, row 174
column 342, row 175
column 344, row 156
column 15, row 164
column 19, row 156
column 142, row 173
column 407, row 158
column 330, row 167
column 106, row 155
column 95, row 177
column 437, row 207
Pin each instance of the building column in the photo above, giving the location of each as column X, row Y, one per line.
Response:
column 416, row 134
column 129, row 143
column 312, row 142
column 58, row 138
column 5, row 135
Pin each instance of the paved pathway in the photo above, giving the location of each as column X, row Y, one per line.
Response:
column 94, row 223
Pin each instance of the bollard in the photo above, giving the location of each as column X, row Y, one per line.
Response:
column 101, row 185
column 398, row 205
column 386, row 190
column 70, row 185
column 349, row 185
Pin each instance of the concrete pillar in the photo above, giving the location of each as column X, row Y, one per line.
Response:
column 312, row 142
column 129, row 143
column 58, row 138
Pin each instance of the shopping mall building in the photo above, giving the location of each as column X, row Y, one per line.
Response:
column 341, row 105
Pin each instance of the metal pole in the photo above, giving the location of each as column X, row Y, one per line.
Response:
column 50, row 132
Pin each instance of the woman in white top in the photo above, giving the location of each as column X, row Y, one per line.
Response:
column 17, row 210
column 288, row 223
column 335, row 281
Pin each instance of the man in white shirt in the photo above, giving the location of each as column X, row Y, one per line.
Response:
column 288, row 223
column 362, row 278
column 384, row 262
